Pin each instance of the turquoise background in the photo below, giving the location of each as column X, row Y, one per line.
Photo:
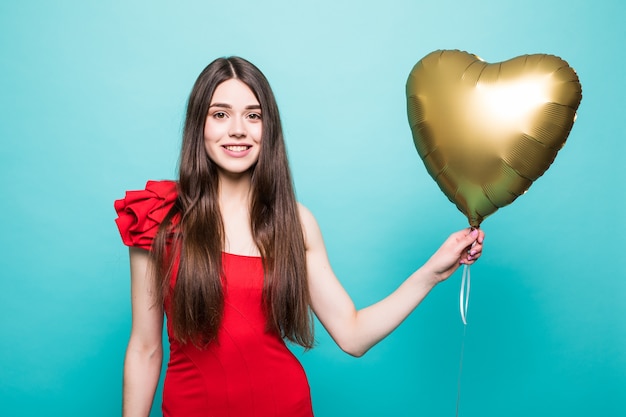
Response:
column 92, row 96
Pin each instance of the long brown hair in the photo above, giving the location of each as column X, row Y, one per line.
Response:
column 197, row 300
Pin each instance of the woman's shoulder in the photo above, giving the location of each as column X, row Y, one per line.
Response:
column 140, row 212
column 305, row 213
column 310, row 228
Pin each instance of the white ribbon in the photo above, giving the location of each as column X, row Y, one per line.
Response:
column 463, row 303
column 465, row 292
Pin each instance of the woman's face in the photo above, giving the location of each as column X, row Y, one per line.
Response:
column 233, row 127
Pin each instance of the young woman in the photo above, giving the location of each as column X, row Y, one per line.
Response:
column 237, row 266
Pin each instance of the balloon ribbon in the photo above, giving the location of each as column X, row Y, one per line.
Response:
column 463, row 303
column 465, row 292
column 458, row 388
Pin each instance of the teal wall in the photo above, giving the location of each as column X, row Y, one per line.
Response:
column 91, row 102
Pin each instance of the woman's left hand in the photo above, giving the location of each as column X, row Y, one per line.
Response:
column 462, row 247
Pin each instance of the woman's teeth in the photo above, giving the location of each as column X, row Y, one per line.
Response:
column 238, row 148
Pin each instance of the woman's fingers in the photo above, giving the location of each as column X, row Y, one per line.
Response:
column 474, row 248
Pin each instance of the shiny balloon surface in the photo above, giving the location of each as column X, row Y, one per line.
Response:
column 486, row 131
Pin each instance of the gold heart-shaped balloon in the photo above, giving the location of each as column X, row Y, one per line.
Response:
column 485, row 131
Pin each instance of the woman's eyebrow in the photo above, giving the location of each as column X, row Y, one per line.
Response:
column 228, row 106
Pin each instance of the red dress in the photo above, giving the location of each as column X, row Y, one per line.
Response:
column 247, row 372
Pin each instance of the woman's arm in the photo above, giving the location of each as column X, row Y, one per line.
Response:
column 357, row 331
column 144, row 355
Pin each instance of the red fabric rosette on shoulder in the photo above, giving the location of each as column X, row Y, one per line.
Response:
column 141, row 212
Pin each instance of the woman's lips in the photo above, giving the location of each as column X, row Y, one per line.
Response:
column 237, row 151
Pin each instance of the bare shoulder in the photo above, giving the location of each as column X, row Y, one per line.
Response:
column 310, row 228
column 305, row 214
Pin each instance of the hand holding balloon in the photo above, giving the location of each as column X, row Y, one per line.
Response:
column 462, row 247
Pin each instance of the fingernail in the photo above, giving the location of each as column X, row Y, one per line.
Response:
column 474, row 232
column 472, row 253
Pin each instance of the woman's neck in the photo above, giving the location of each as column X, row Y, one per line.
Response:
column 234, row 200
column 235, row 189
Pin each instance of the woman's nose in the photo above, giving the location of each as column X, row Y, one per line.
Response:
column 237, row 128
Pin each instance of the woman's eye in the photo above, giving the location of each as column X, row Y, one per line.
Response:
column 219, row 115
column 254, row 116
